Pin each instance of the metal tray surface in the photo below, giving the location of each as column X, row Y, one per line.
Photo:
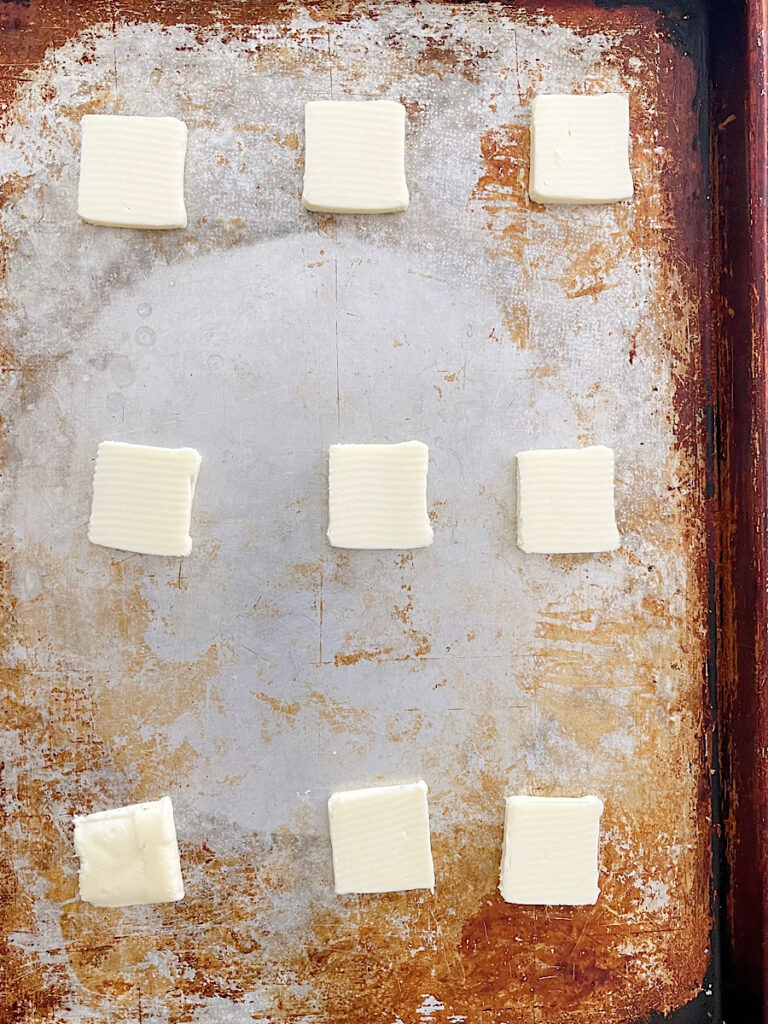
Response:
column 267, row 669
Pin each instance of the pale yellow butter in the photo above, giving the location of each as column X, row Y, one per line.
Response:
column 355, row 156
column 142, row 498
column 132, row 171
column 377, row 496
column 580, row 149
column 380, row 839
column 550, row 850
column 565, row 500
column 129, row 855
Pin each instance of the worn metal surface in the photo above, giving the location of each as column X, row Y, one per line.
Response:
column 254, row 677
column 740, row 114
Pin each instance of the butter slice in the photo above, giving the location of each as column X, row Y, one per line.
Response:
column 132, row 171
column 129, row 855
column 355, row 156
column 580, row 149
column 142, row 498
column 380, row 839
column 550, row 850
column 378, row 496
column 565, row 501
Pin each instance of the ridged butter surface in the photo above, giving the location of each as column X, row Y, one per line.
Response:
column 550, row 850
column 565, row 501
column 380, row 839
column 142, row 498
column 129, row 855
column 355, row 156
column 378, row 496
column 132, row 171
column 580, row 149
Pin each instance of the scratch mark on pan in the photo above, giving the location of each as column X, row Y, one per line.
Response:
column 336, row 329
column 114, row 63
column 517, row 69
column 321, row 613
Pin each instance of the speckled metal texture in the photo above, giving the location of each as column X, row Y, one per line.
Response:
column 251, row 679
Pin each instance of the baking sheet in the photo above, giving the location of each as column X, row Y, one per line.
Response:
column 251, row 679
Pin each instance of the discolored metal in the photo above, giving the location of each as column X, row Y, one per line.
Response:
column 251, row 679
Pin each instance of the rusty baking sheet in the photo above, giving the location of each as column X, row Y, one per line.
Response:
column 253, row 678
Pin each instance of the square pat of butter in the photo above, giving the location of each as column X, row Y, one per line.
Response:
column 355, row 156
column 550, row 850
column 377, row 496
column 580, row 149
column 380, row 839
column 565, row 501
column 142, row 498
column 129, row 855
column 132, row 171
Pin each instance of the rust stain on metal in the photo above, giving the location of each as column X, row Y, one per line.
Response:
column 413, row 645
column 491, row 955
column 517, row 323
column 288, row 708
column 353, row 657
column 506, row 155
column 339, row 715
